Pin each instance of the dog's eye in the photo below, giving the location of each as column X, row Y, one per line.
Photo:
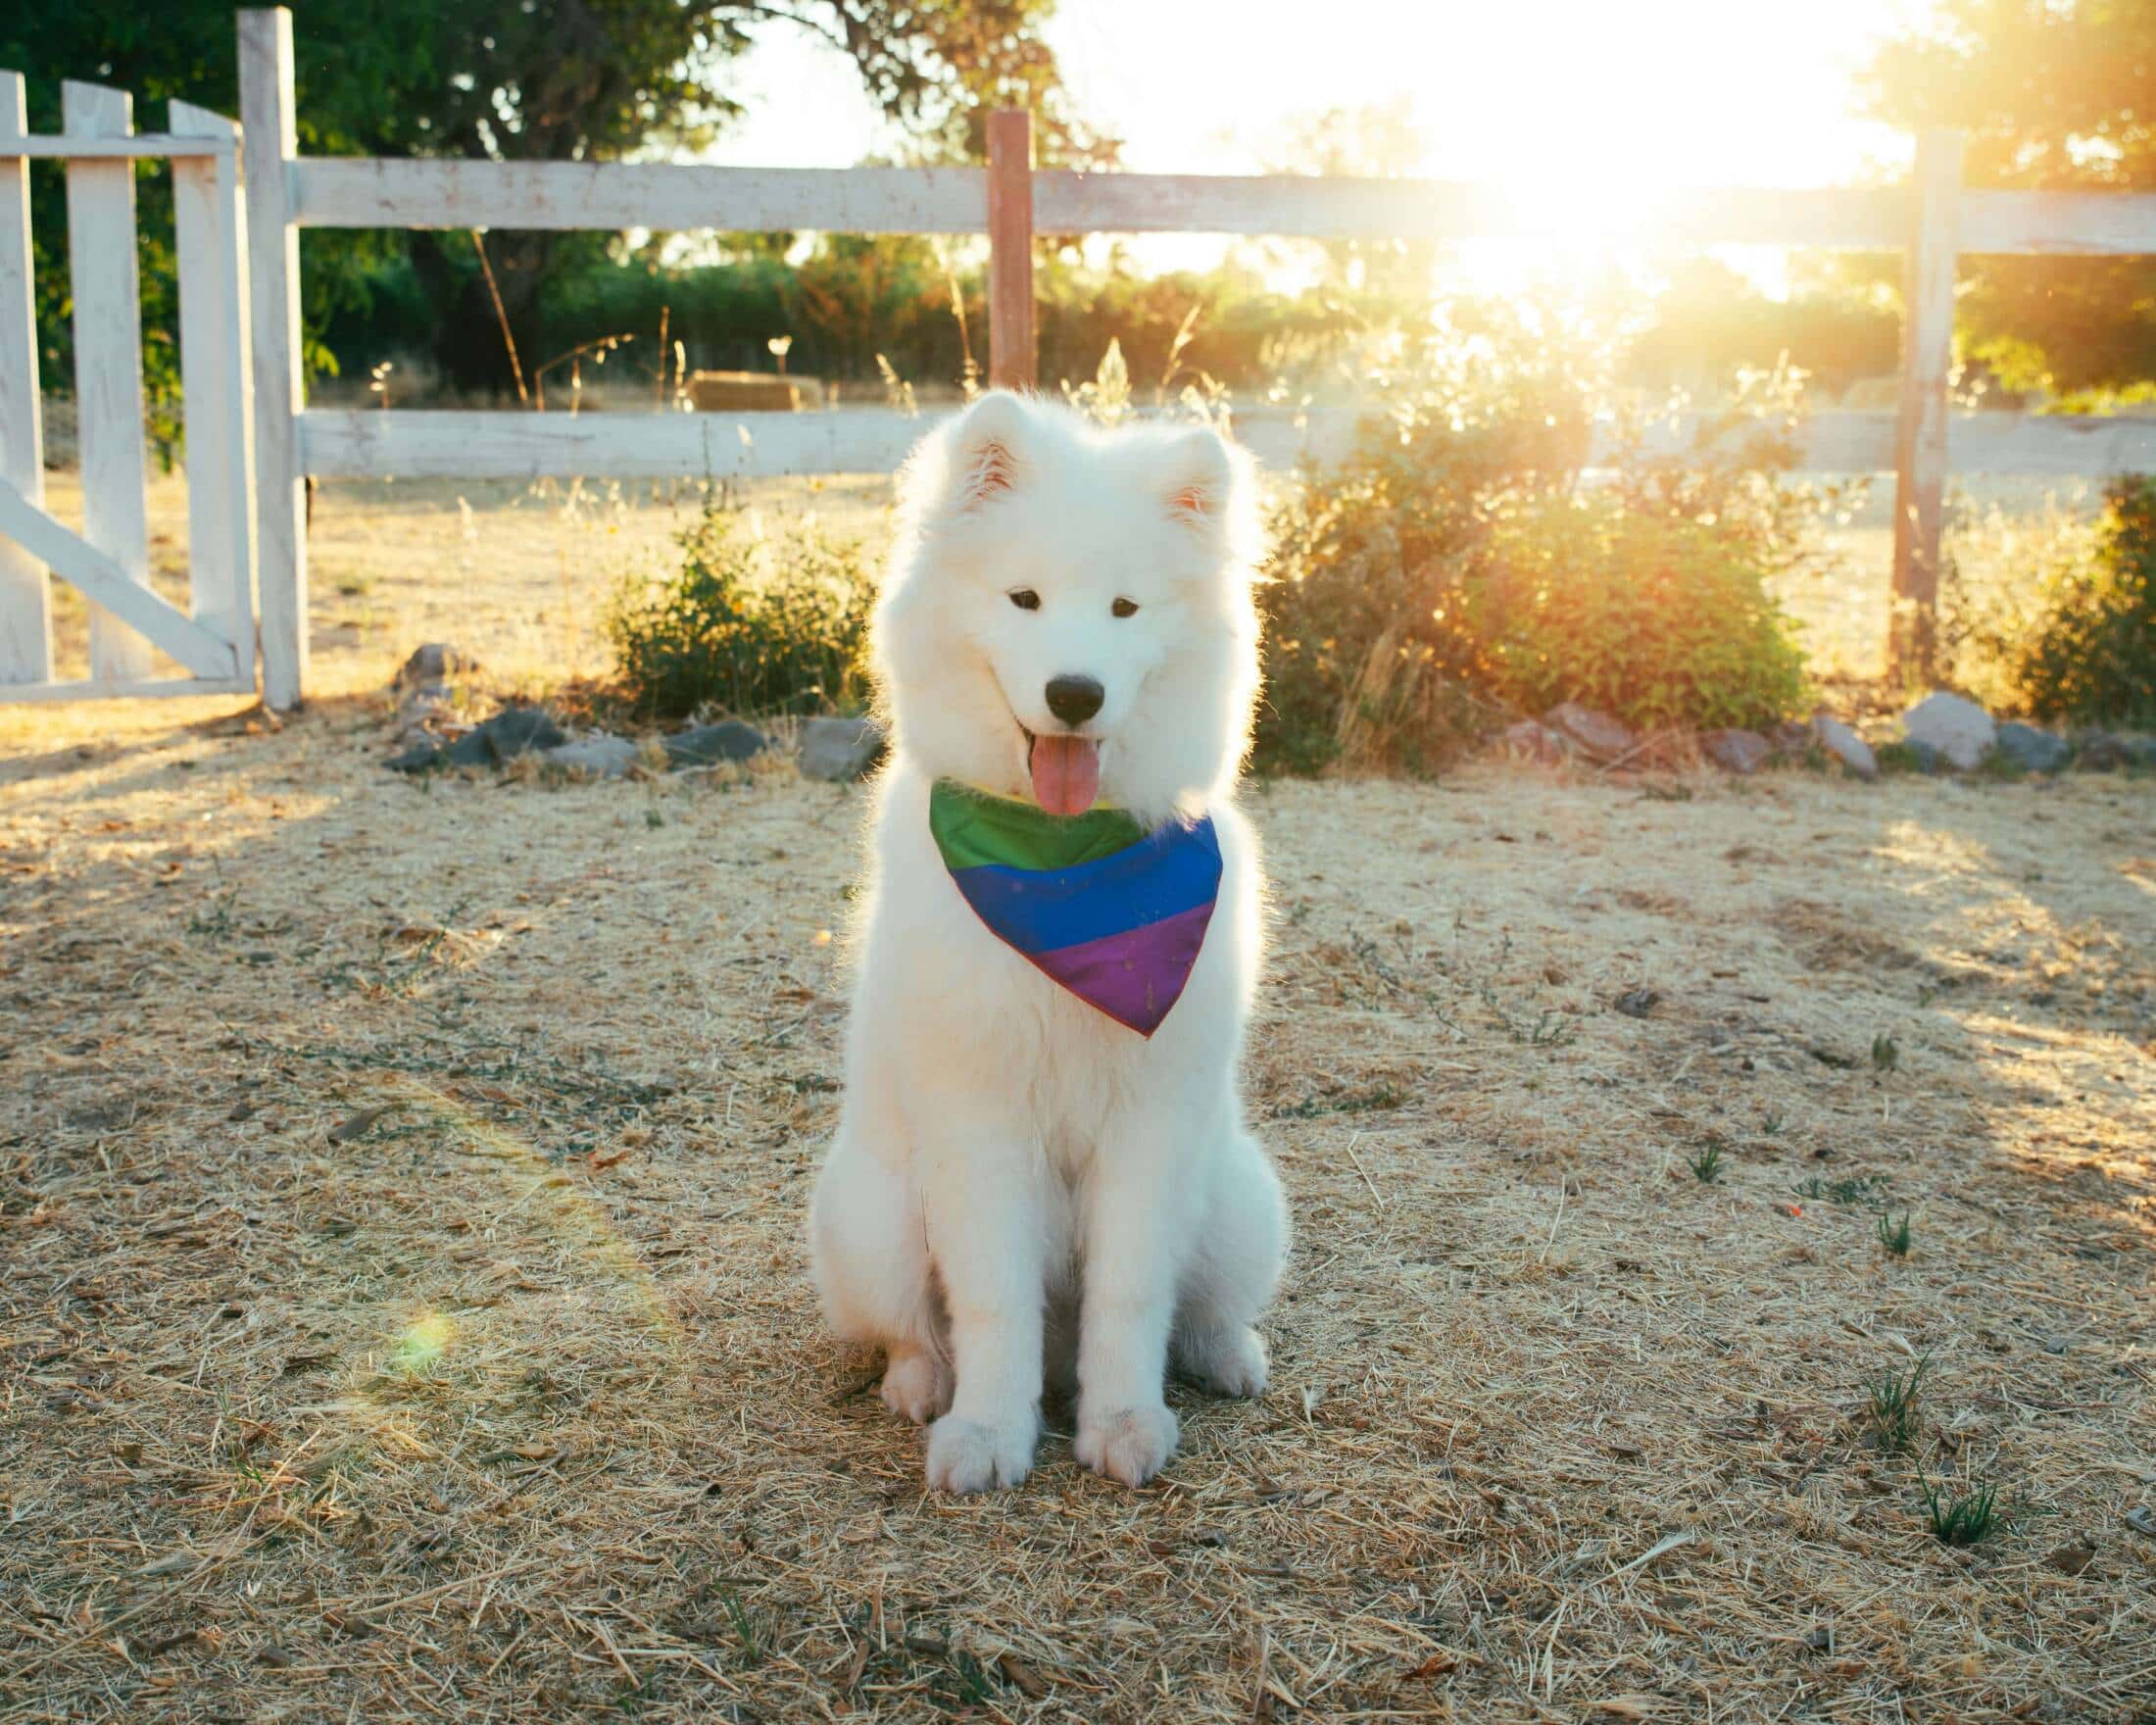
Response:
column 1124, row 607
column 1025, row 599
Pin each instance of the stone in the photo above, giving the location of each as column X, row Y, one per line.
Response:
column 1533, row 740
column 2033, row 750
column 513, row 732
column 1735, row 750
column 1953, row 724
column 706, row 745
column 416, row 758
column 598, row 755
column 2101, row 751
column 433, row 665
column 1844, row 745
column 839, row 750
column 1598, row 734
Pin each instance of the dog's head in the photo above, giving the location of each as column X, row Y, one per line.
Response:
column 1068, row 615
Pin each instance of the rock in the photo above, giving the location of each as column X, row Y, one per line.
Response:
column 2033, row 750
column 1844, row 745
column 416, row 758
column 2101, row 751
column 839, row 750
column 433, row 665
column 1734, row 751
column 707, row 744
column 1790, row 739
column 598, row 755
column 1533, row 740
column 1953, row 724
column 513, row 732
column 1598, row 734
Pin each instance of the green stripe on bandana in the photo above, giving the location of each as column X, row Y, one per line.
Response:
column 973, row 828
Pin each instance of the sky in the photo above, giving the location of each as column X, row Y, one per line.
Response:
column 1586, row 105
column 1659, row 92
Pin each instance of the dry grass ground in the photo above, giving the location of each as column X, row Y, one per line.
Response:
column 404, row 1313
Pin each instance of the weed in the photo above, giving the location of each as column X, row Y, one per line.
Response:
column 654, row 820
column 1850, row 1189
column 1894, row 1407
column 1894, row 1236
column 1962, row 1518
column 1706, row 1167
column 1773, row 1125
column 745, row 1630
column 1886, row 1052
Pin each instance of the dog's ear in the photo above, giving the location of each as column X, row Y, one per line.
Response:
column 989, row 456
column 1198, row 478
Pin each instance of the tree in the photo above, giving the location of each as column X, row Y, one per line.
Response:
column 546, row 81
column 2054, row 94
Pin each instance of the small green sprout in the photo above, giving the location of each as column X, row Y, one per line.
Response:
column 1894, row 1236
column 1886, row 1052
column 1962, row 1518
column 1893, row 1397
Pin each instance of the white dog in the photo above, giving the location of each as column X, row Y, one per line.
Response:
column 1041, row 1172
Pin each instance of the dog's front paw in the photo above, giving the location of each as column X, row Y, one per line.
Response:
column 916, row 1386
column 1129, row 1444
column 966, row 1457
column 1226, row 1363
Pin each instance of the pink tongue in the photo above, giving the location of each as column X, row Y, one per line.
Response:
column 1066, row 773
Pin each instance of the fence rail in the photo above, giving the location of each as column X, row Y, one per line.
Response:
column 239, row 296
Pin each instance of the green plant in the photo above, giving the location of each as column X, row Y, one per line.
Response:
column 749, row 625
column 1894, row 1236
column 1854, row 1189
column 1961, row 1519
column 1452, row 566
column 1894, row 1407
column 1886, row 1052
column 1706, row 1167
column 1657, row 618
column 2092, row 654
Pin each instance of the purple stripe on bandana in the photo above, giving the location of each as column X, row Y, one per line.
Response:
column 1135, row 977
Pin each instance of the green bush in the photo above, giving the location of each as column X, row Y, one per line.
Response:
column 2092, row 654
column 749, row 625
column 1451, row 570
column 1653, row 618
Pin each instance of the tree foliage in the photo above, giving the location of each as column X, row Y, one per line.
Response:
column 546, row 81
column 2056, row 95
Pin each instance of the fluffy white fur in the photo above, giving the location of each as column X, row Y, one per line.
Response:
column 1021, row 1191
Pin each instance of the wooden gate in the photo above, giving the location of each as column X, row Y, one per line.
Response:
column 108, row 561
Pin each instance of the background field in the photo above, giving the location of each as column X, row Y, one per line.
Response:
column 405, row 1313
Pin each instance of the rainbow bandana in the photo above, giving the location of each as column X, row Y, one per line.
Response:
column 1113, row 913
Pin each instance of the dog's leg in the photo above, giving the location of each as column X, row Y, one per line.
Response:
column 986, row 1229
column 870, row 1249
column 1232, row 1274
column 1137, row 1230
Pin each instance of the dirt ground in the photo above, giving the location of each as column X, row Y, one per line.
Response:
column 405, row 1313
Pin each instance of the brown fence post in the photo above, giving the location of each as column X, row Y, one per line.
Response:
column 1920, row 432
column 1012, row 362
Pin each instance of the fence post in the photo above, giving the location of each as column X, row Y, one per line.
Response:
column 269, row 143
column 215, row 377
column 1920, row 429
column 25, row 595
column 102, row 275
column 1012, row 358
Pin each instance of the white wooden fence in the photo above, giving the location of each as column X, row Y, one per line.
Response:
column 108, row 560
column 1933, row 222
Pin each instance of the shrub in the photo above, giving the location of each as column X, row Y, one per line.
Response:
column 1654, row 618
column 749, row 625
column 2092, row 654
column 1451, row 565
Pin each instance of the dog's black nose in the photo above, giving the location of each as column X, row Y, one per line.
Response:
column 1074, row 700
